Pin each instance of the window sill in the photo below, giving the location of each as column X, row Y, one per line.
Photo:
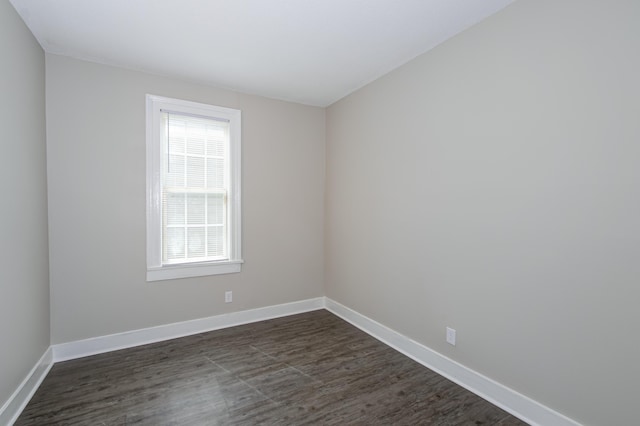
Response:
column 193, row 270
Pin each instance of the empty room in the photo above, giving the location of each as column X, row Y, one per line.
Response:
column 280, row 212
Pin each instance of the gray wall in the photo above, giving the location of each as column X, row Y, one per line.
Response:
column 24, row 267
column 96, row 160
column 492, row 185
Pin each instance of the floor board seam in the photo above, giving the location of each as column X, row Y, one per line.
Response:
column 244, row 382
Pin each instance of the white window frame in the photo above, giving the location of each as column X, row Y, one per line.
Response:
column 155, row 269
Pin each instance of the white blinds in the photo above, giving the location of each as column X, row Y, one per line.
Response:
column 195, row 184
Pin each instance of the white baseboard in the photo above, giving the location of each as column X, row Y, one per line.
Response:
column 128, row 339
column 11, row 409
column 508, row 399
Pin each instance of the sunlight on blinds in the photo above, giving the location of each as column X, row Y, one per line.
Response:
column 195, row 184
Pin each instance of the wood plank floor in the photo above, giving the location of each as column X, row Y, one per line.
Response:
column 311, row 368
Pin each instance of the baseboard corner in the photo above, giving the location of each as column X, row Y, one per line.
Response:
column 16, row 403
column 498, row 394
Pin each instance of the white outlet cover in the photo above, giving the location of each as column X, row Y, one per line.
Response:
column 451, row 336
column 228, row 297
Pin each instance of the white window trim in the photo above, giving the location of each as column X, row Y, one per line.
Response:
column 155, row 270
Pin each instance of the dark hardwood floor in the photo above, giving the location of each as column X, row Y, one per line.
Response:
column 311, row 368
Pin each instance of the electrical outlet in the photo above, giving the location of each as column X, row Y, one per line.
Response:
column 228, row 297
column 451, row 336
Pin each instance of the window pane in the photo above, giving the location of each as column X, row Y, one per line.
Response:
column 215, row 209
column 215, row 173
column 195, row 137
column 196, row 242
column 215, row 244
column 195, row 172
column 175, row 209
column 195, row 145
column 176, row 145
column 195, row 209
column 175, row 174
column 215, row 140
column 174, row 239
column 177, row 125
column 176, row 135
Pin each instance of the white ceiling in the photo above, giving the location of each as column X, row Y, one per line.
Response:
column 309, row 51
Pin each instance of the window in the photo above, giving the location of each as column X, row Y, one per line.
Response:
column 193, row 189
